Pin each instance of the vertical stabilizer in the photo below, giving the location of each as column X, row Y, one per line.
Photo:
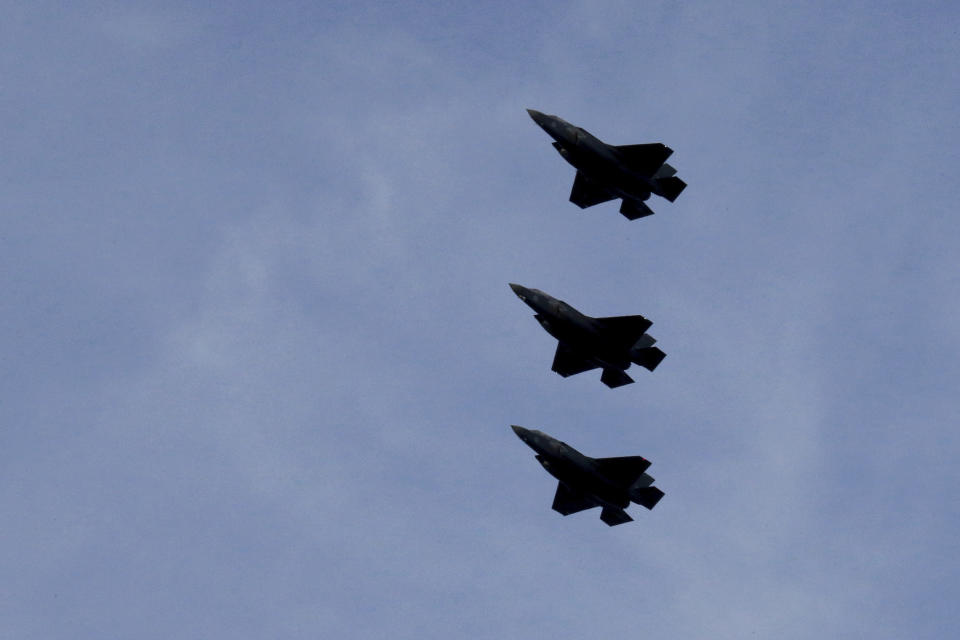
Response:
column 613, row 517
column 670, row 187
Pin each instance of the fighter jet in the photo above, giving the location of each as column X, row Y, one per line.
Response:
column 611, row 483
column 585, row 343
column 606, row 172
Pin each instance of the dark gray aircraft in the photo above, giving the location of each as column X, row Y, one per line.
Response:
column 585, row 343
column 611, row 483
column 606, row 172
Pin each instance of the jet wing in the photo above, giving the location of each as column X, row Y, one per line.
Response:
column 624, row 329
column 567, row 501
column 586, row 193
column 645, row 159
column 625, row 470
column 568, row 362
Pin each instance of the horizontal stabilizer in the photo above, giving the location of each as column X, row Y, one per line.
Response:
column 648, row 358
column 614, row 378
column 647, row 497
column 645, row 159
column 613, row 517
column 633, row 209
column 671, row 187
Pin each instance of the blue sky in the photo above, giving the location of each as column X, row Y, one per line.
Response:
column 260, row 359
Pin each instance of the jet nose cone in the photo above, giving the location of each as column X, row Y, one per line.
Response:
column 537, row 116
column 521, row 291
column 520, row 431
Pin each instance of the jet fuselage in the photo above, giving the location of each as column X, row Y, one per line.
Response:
column 573, row 328
column 572, row 468
column 595, row 158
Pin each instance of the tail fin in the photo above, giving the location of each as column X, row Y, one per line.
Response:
column 613, row 517
column 646, row 340
column 648, row 357
column 665, row 171
column 670, row 187
column 647, row 496
column 614, row 378
column 633, row 209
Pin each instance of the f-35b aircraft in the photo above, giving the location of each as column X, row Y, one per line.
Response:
column 585, row 482
column 585, row 343
column 606, row 172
